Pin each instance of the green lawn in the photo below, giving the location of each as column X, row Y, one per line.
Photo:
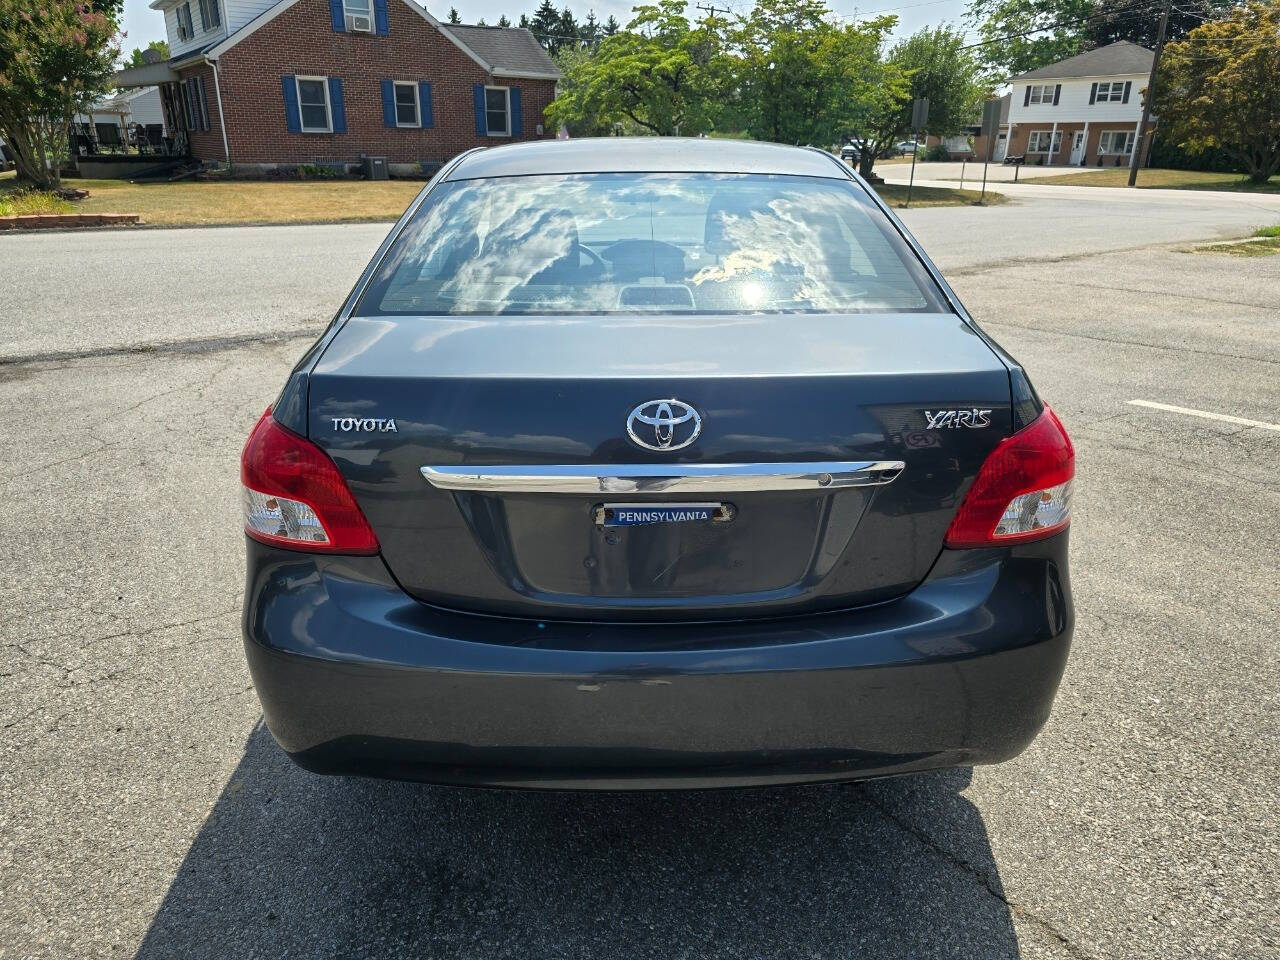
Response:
column 205, row 203
column 1163, row 179
column 895, row 195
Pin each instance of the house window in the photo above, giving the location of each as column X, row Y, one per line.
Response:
column 313, row 105
column 1038, row 142
column 1116, row 141
column 407, row 105
column 193, row 107
column 359, row 15
column 497, row 111
column 1043, row 93
column 185, row 30
column 210, row 15
column 1110, row 93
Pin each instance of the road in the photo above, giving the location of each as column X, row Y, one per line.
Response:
column 145, row 811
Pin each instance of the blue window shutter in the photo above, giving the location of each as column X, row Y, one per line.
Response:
column 424, row 102
column 1057, row 92
column 1128, row 84
column 482, row 127
column 1093, row 95
column 204, row 104
column 517, row 118
column 380, row 24
column 1026, row 97
column 292, row 118
column 388, row 103
column 335, row 104
column 337, row 15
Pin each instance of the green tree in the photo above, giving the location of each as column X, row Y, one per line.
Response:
column 803, row 78
column 160, row 46
column 546, row 25
column 503, row 21
column 590, row 31
column 933, row 63
column 568, row 30
column 611, row 26
column 56, row 57
column 1220, row 87
column 1021, row 35
column 662, row 74
column 453, row 15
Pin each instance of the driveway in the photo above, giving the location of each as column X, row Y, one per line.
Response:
column 145, row 811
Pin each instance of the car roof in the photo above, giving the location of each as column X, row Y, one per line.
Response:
column 644, row 155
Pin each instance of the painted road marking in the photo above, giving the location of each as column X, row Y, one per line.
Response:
column 1205, row 414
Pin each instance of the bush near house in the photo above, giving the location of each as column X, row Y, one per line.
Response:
column 1219, row 88
column 1170, row 156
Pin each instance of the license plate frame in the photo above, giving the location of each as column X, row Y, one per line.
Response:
column 654, row 514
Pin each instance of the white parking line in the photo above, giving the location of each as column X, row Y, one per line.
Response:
column 1205, row 414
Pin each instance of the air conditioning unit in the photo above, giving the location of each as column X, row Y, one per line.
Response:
column 357, row 23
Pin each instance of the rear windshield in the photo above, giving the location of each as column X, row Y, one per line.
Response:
column 641, row 243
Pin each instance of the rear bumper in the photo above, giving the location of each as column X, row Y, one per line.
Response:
column 357, row 677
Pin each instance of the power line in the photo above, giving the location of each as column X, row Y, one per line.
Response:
column 1064, row 23
column 910, row 6
column 712, row 10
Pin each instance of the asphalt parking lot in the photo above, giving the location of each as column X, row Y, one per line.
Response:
column 145, row 811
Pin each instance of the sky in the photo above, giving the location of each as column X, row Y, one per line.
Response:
column 143, row 24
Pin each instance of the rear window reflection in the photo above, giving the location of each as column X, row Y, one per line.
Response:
column 638, row 243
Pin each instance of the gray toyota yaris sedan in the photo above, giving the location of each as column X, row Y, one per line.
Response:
column 649, row 464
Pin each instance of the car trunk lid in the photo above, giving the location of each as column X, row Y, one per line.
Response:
column 817, row 481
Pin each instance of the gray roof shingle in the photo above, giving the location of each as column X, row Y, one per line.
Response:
column 1114, row 60
column 506, row 49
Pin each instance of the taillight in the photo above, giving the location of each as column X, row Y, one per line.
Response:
column 1022, row 492
column 295, row 497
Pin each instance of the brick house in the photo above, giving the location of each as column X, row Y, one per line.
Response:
column 265, row 83
column 1082, row 111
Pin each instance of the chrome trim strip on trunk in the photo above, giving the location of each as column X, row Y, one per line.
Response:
column 656, row 477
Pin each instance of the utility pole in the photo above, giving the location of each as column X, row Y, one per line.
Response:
column 1146, row 100
column 711, row 10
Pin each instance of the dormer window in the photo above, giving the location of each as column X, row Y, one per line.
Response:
column 186, row 31
column 359, row 15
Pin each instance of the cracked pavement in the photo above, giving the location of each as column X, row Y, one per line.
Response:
column 145, row 811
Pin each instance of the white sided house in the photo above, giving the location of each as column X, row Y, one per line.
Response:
column 134, row 117
column 1083, row 111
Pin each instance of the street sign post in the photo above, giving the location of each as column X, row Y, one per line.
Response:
column 990, row 130
column 919, row 120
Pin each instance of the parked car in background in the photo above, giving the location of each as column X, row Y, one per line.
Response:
column 905, row 147
column 606, row 478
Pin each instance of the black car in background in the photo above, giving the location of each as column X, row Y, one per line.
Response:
column 648, row 464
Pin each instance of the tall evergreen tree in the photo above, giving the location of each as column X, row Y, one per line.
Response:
column 569, row 30
column 589, row 31
column 453, row 15
column 611, row 26
column 546, row 24
column 503, row 21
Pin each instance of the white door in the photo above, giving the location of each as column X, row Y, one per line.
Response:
column 1077, row 148
column 1002, row 146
